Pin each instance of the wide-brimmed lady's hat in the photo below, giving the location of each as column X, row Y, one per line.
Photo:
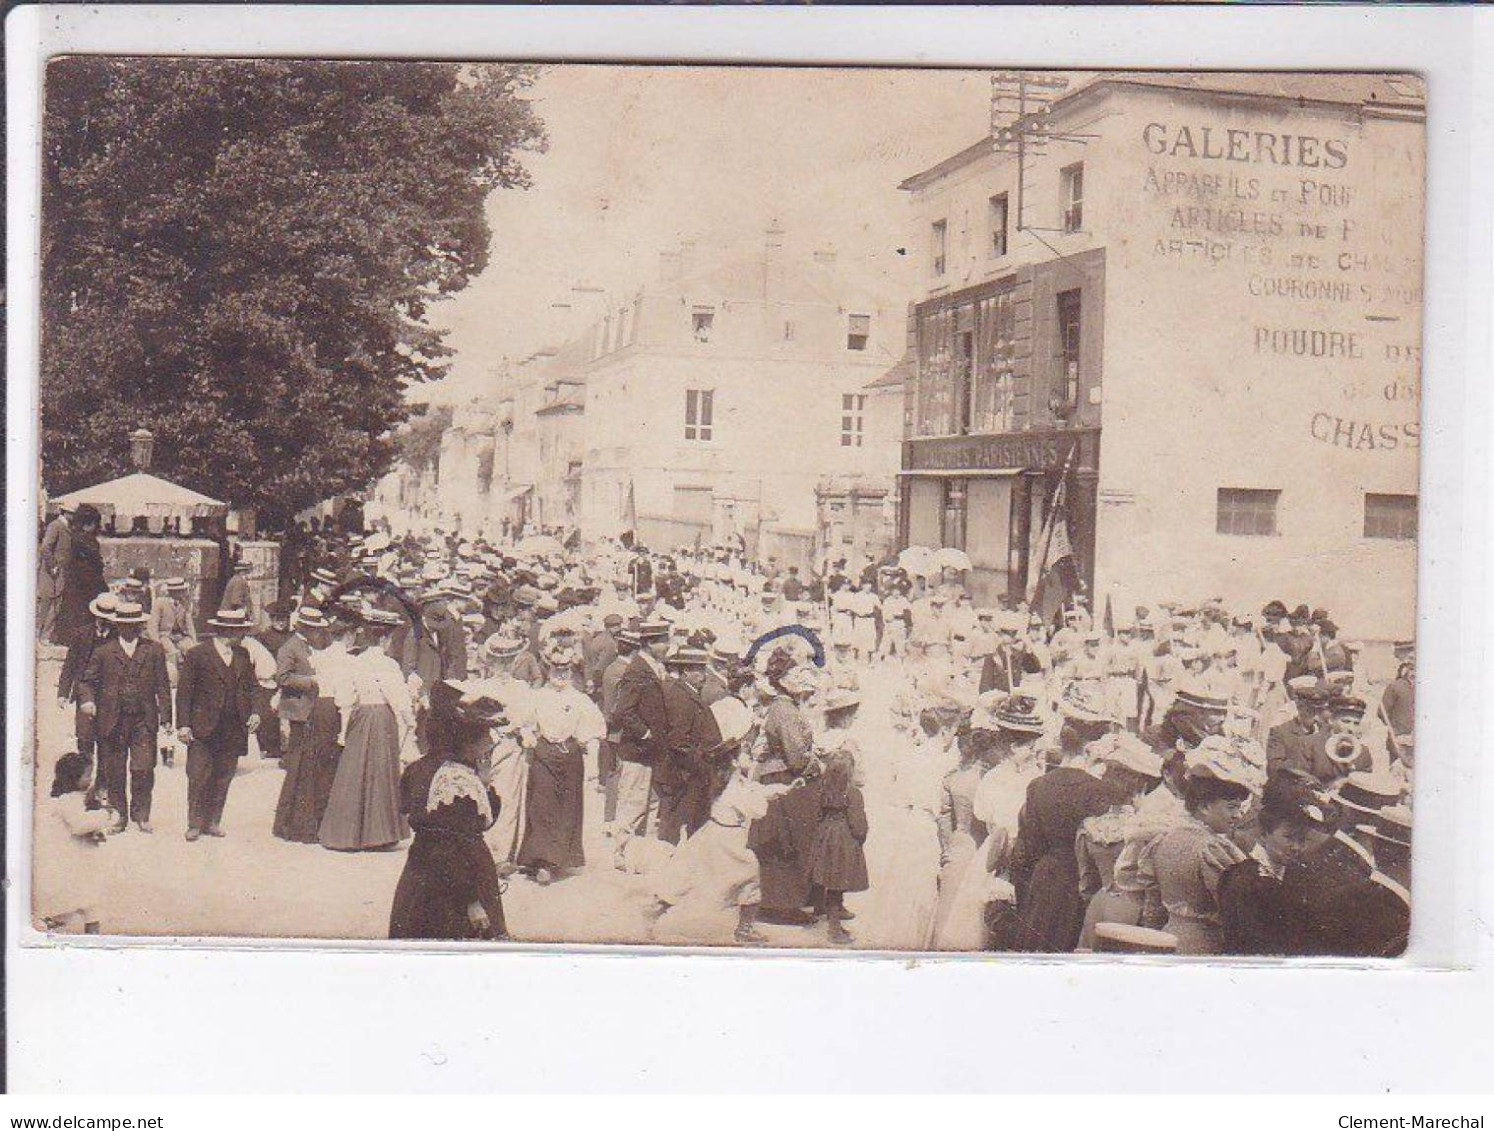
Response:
column 500, row 646
column 1083, row 702
column 1127, row 751
column 230, row 620
column 1019, row 714
column 1191, row 695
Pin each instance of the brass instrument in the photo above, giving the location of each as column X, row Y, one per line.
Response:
column 1346, row 749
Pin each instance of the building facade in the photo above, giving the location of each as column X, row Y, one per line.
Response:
column 729, row 403
column 1198, row 308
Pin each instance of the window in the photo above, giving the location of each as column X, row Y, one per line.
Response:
column 1247, row 510
column 852, row 419
column 1390, row 516
column 1070, row 306
column 788, row 331
column 702, row 318
column 952, row 529
column 858, row 331
column 1072, row 187
column 997, row 216
column 622, row 328
column 939, row 243
column 698, row 413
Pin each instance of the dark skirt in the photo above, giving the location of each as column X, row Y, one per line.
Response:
column 445, row 873
column 363, row 811
column 782, row 840
column 553, row 804
column 836, row 859
column 311, row 767
column 1050, row 911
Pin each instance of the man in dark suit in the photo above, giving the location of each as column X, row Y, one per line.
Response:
column 682, row 777
column 80, row 650
column 641, row 572
column 215, row 707
column 637, row 728
column 127, row 691
column 597, row 651
column 1301, row 743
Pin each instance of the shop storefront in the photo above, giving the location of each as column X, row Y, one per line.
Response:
column 989, row 495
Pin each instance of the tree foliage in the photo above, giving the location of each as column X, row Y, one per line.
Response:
column 420, row 438
column 242, row 255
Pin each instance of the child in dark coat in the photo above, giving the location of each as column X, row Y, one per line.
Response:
column 837, row 863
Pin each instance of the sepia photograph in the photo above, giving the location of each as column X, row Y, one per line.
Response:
column 928, row 511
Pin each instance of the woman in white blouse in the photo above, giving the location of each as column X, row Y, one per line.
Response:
column 378, row 718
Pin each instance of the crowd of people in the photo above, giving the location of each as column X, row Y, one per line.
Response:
column 766, row 743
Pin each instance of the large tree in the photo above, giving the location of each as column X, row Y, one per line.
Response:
column 241, row 255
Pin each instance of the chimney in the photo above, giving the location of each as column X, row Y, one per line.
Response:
column 669, row 267
column 141, row 443
column 825, row 257
column 772, row 259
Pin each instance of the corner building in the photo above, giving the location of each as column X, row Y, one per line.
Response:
column 1201, row 303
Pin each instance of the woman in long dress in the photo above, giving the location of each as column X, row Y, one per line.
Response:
column 449, row 888
column 307, row 789
column 958, row 837
column 782, row 838
column 363, row 808
column 555, row 797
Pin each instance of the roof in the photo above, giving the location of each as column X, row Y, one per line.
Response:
column 1388, row 92
column 143, row 495
column 899, row 374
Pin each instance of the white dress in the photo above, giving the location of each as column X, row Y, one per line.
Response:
column 66, row 881
column 713, row 872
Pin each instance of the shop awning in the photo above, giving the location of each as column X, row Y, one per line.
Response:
column 964, row 473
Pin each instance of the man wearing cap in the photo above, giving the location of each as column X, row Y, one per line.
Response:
column 215, row 709
column 1340, row 909
column 1299, row 743
column 638, row 726
column 126, row 688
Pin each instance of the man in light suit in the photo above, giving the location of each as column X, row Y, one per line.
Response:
column 126, row 689
column 215, row 699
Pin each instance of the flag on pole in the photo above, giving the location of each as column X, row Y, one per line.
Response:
column 1051, row 545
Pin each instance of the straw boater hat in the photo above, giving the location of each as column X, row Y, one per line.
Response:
column 175, row 584
column 1391, row 824
column 325, row 576
column 1192, row 695
column 230, row 620
column 103, row 606
column 128, row 612
column 381, row 618
column 1123, row 938
column 687, row 657
column 1366, row 793
column 243, row 565
column 310, row 616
